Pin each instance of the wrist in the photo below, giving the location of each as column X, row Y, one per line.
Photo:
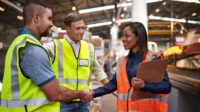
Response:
column 93, row 92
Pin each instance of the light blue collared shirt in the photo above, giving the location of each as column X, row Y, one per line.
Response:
column 34, row 62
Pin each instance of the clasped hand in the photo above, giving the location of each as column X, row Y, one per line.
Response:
column 86, row 95
column 137, row 83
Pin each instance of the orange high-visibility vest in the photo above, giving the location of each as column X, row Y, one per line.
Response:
column 157, row 103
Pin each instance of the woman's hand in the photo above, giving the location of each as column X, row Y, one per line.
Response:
column 137, row 83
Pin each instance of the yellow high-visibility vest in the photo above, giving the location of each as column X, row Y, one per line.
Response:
column 73, row 72
column 20, row 94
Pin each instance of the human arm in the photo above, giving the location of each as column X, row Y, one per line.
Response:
column 110, row 87
column 40, row 72
column 55, row 92
column 163, row 87
column 99, row 73
column 50, row 49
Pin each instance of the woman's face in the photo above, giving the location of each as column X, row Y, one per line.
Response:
column 129, row 39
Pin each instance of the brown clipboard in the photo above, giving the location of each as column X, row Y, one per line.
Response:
column 152, row 71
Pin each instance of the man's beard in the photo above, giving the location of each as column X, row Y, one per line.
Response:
column 45, row 34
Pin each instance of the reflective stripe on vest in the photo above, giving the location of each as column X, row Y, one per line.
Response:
column 60, row 64
column 72, row 81
column 118, row 67
column 21, row 103
column 15, row 100
column 157, row 97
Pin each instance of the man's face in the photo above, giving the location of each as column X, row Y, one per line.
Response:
column 45, row 22
column 76, row 30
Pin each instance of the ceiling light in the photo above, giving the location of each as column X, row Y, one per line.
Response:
column 194, row 14
column 73, row 8
column 19, row 17
column 157, row 10
column 99, row 24
column 151, row 17
column 125, row 8
column 189, row 1
column 108, row 7
column 151, row 1
column 2, row 9
column 122, row 15
column 164, row 3
column 96, row 9
column 12, row 5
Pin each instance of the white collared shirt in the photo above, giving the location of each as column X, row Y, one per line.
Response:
column 97, row 70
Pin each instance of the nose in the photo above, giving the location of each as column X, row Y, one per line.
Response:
column 82, row 31
column 51, row 23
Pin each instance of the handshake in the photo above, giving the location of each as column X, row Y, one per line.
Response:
column 86, row 95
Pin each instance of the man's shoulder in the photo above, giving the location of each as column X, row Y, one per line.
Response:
column 34, row 49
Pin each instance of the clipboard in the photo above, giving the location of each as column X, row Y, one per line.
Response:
column 152, row 71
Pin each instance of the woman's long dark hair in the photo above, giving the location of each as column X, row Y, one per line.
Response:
column 139, row 30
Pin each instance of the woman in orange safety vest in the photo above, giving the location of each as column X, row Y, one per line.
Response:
column 153, row 96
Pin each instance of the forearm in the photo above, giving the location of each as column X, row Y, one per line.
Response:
column 110, row 87
column 163, row 87
column 104, row 81
column 54, row 92
column 66, row 95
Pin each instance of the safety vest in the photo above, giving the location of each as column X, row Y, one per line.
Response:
column 71, row 71
column 157, row 103
column 20, row 94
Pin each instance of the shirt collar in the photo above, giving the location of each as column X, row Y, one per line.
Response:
column 136, row 54
column 70, row 41
column 25, row 31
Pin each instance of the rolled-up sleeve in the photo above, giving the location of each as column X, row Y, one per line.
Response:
column 34, row 63
column 98, row 71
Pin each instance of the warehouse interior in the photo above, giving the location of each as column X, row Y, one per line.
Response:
column 173, row 28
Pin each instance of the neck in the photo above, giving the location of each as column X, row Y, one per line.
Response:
column 34, row 31
column 71, row 37
column 134, row 50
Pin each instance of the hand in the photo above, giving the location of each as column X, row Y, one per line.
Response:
column 137, row 83
column 86, row 95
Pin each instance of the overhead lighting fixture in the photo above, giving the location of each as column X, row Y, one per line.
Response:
column 99, row 24
column 19, row 17
column 73, row 8
column 122, row 15
column 2, row 9
column 189, row 1
column 108, row 7
column 164, row 3
column 96, row 9
column 157, row 10
column 151, row 17
column 125, row 8
column 12, row 5
column 194, row 14
column 151, row 1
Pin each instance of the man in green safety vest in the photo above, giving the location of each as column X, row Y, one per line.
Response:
column 74, row 62
column 29, row 83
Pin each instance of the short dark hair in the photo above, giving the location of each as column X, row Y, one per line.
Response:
column 139, row 30
column 72, row 17
column 31, row 7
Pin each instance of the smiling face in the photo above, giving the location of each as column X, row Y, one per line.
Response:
column 129, row 39
column 76, row 30
column 45, row 22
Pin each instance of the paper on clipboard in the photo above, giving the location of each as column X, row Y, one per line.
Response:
column 152, row 71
